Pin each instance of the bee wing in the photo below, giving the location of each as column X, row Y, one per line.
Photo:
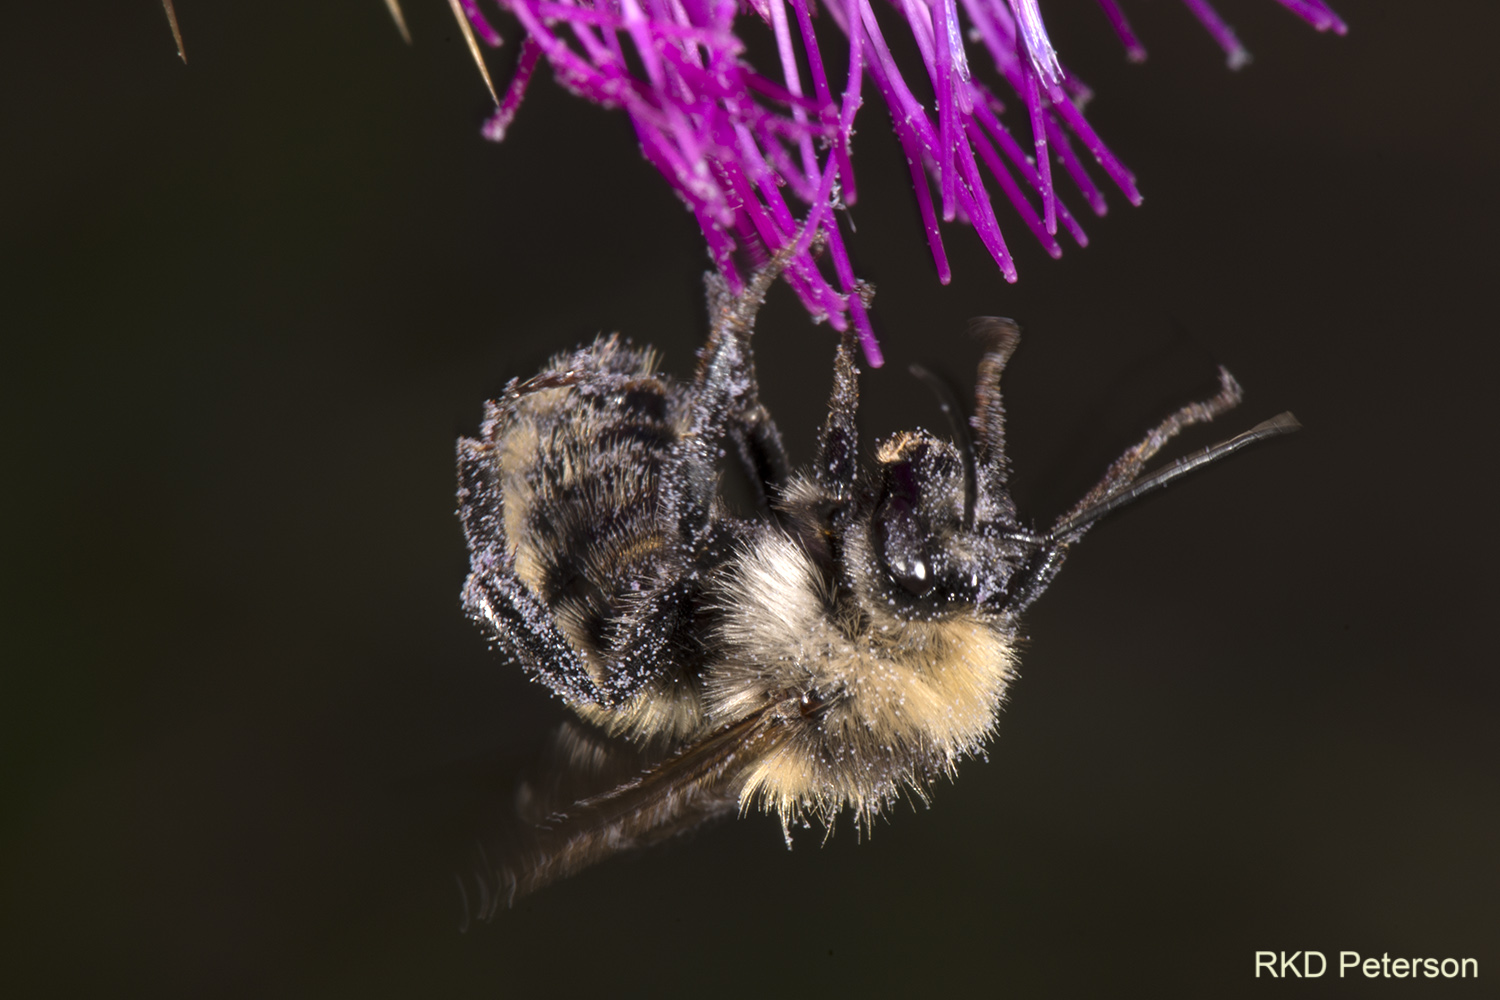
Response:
column 711, row 762
column 696, row 784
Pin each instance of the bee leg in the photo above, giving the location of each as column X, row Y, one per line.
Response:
column 756, row 435
column 1129, row 465
column 761, row 453
column 992, row 503
column 499, row 599
column 480, row 507
column 725, row 401
column 837, row 462
column 508, row 610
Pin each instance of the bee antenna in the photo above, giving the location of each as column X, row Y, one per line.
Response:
column 959, row 424
column 1076, row 524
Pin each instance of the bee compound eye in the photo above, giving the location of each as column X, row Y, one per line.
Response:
column 913, row 576
column 899, row 543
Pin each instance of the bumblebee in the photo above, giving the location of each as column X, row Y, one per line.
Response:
column 849, row 644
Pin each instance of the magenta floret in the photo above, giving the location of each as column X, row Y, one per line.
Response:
column 734, row 142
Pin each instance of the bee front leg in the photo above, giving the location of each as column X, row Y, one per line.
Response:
column 993, row 503
column 1129, row 465
column 837, row 463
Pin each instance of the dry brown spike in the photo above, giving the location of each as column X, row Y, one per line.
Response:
column 176, row 31
column 468, row 30
column 394, row 6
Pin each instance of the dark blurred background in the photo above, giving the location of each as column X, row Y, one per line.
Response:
column 248, row 738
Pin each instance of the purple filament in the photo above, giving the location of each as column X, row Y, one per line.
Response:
column 733, row 142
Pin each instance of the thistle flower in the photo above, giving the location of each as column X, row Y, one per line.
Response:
column 734, row 141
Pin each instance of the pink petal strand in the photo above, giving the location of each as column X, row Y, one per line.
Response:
column 734, row 143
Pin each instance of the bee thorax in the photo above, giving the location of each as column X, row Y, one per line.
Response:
column 883, row 704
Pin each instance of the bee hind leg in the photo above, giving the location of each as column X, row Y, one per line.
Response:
column 499, row 600
column 517, row 619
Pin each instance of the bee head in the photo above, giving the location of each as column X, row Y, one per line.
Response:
column 925, row 560
column 936, row 534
